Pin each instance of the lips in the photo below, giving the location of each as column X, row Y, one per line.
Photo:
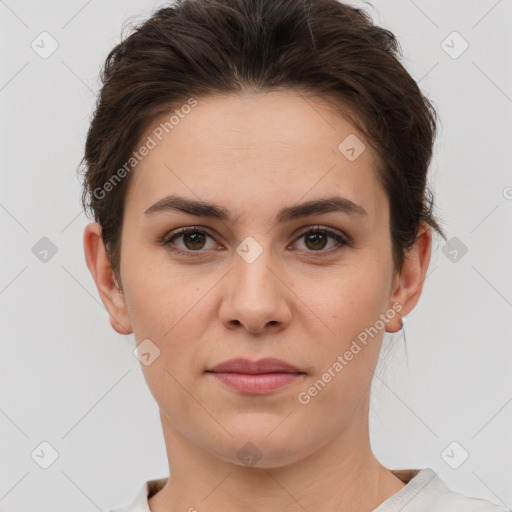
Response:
column 265, row 365
column 265, row 376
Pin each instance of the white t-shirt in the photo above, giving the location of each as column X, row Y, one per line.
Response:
column 424, row 492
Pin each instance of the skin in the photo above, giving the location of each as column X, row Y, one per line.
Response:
column 300, row 302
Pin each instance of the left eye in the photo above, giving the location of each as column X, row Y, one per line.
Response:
column 194, row 240
column 316, row 239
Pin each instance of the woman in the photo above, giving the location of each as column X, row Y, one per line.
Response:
column 257, row 174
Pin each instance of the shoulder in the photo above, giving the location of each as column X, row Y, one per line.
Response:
column 140, row 502
column 426, row 491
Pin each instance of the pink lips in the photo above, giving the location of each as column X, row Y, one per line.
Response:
column 257, row 377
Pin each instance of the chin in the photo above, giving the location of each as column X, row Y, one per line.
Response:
column 255, row 448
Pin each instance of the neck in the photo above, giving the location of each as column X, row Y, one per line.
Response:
column 342, row 475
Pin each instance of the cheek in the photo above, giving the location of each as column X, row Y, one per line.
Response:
column 160, row 298
column 346, row 359
column 353, row 298
column 174, row 312
column 356, row 299
column 171, row 319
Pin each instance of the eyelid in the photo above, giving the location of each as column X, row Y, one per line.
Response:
column 169, row 237
column 324, row 229
column 340, row 237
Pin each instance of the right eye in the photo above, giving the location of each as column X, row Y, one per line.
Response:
column 193, row 239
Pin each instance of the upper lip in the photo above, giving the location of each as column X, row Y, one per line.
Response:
column 265, row 365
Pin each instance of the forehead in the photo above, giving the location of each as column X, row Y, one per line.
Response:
column 255, row 151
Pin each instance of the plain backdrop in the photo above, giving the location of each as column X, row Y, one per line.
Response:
column 70, row 382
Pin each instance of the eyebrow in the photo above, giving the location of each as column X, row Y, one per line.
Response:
column 199, row 208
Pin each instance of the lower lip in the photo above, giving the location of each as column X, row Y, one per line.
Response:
column 257, row 383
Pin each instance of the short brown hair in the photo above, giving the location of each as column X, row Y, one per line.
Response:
column 196, row 48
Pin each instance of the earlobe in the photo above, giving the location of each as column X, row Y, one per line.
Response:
column 396, row 313
column 101, row 270
column 408, row 285
column 118, row 327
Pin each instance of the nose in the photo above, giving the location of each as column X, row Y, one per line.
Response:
column 255, row 296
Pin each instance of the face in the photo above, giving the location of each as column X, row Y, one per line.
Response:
column 257, row 282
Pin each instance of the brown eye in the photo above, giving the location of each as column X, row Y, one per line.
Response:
column 194, row 240
column 317, row 239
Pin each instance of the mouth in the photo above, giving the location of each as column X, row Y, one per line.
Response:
column 256, row 377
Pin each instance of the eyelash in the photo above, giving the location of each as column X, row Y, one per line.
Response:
column 169, row 238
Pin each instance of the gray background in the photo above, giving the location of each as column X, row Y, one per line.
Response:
column 71, row 381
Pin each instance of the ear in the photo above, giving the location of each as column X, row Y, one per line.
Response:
column 408, row 284
column 103, row 275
